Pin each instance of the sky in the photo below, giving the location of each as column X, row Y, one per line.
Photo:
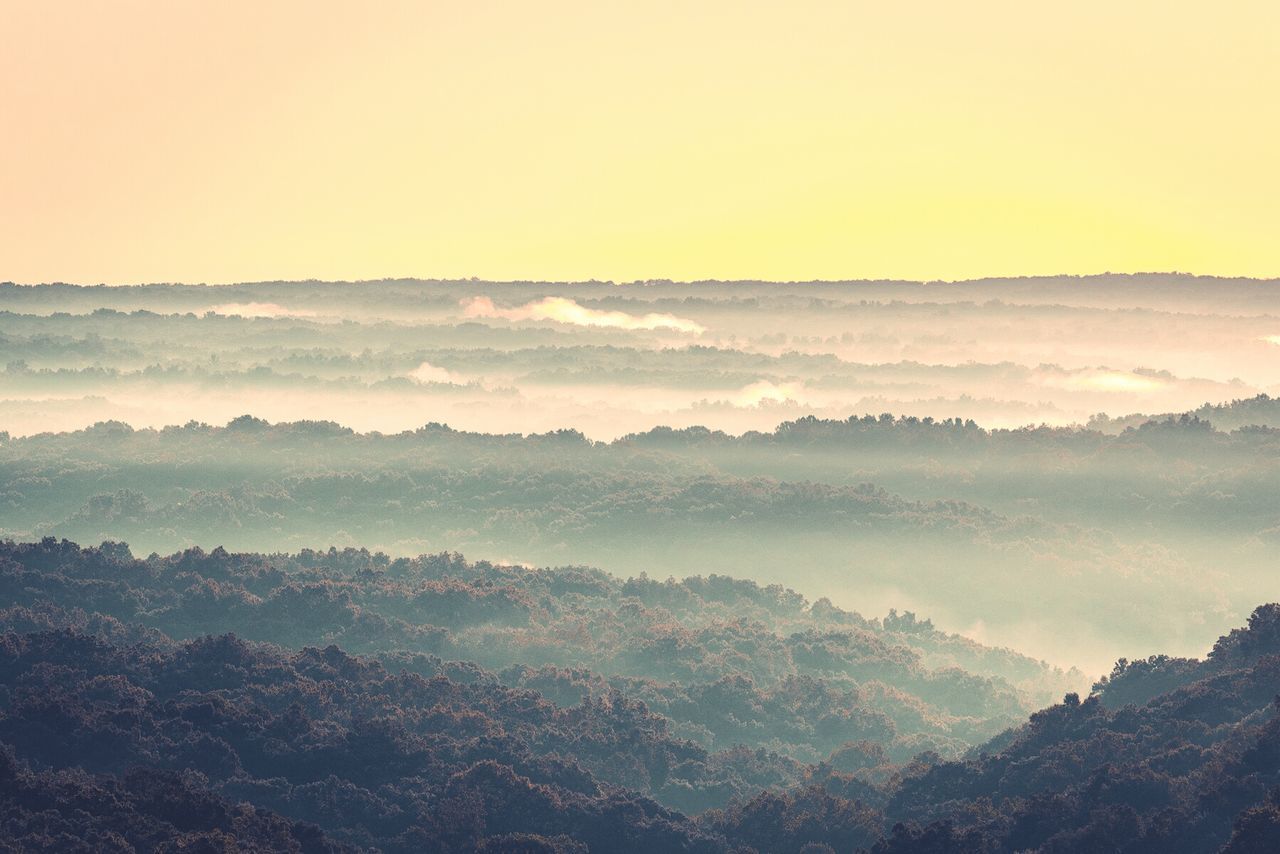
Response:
column 234, row 141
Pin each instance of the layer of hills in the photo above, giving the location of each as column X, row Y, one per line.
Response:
column 346, row 700
column 1071, row 543
column 1075, row 544
column 727, row 662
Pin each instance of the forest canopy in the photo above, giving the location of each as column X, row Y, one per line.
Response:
column 116, row 733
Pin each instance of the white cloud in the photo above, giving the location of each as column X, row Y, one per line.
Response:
column 258, row 309
column 563, row 310
column 429, row 373
column 1119, row 381
column 1103, row 379
column 764, row 391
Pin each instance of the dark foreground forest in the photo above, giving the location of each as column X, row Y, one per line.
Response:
column 347, row 701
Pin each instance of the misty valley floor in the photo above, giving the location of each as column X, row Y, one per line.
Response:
column 1070, row 544
column 1034, row 484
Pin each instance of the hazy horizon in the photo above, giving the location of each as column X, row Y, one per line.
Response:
column 712, row 280
column 1014, row 448
column 393, row 355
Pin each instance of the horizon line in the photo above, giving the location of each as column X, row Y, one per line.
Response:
column 463, row 280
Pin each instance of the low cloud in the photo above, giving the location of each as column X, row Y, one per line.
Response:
column 764, row 392
column 258, row 309
column 429, row 373
column 563, row 310
column 1102, row 379
column 1119, row 381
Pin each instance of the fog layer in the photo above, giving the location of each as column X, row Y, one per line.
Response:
column 600, row 424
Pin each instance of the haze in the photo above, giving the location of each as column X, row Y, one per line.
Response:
column 1097, row 539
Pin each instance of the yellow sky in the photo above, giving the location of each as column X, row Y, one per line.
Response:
column 233, row 140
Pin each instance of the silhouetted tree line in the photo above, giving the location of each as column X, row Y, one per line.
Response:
column 257, row 478
column 1167, row 755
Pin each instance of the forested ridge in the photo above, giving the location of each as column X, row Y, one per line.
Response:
column 327, row 699
column 727, row 661
column 1130, row 534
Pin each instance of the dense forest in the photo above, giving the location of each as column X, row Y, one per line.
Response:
column 343, row 700
column 727, row 662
